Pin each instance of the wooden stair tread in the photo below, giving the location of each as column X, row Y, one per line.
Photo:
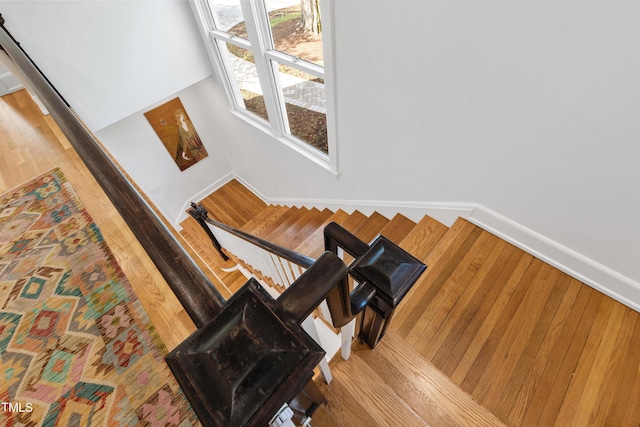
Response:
column 313, row 246
column 196, row 239
column 304, row 227
column 282, row 222
column 371, row 227
column 264, row 219
column 355, row 220
column 233, row 204
column 398, row 228
column 424, row 237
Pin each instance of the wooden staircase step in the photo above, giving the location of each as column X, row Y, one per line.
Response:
column 264, row 219
column 398, row 228
column 282, row 222
column 424, row 237
column 302, row 228
column 355, row 220
column 233, row 204
column 371, row 227
column 313, row 246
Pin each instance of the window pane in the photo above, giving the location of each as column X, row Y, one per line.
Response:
column 305, row 106
column 288, row 30
column 228, row 17
column 246, row 76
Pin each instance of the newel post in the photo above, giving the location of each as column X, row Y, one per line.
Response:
column 383, row 267
column 239, row 369
column 200, row 214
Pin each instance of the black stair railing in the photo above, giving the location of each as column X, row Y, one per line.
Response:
column 280, row 266
column 382, row 271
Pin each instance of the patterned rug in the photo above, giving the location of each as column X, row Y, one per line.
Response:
column 76, row 347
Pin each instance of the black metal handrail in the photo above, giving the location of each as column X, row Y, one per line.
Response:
column 194, row 290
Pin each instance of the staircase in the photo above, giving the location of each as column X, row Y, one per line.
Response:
column 489, row 335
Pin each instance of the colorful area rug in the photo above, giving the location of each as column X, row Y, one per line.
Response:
column 76, row 347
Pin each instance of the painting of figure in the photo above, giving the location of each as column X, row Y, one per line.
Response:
column 173, row 126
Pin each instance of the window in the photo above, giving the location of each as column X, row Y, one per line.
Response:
column 274, row 70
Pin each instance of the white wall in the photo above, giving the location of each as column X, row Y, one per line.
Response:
column 528, row 109
column 110, row 58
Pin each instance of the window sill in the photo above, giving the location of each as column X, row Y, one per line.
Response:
column 323, row 160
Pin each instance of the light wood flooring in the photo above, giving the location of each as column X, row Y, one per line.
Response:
column 488, row 336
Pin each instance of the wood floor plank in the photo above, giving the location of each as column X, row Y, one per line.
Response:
column 425, row 237
column 381, row 402
column 513, row 341
column 442, row 288
column 451, row 249
column 532, row 378
column 398, row 228
column 351, row 414
column 626, row 407
column 355, row 220
column 462, row 334
column 597, row 371
column 548, row 397
column 371, row 227
column 585, row 363
column 485, row 353
column 604, row 408
column 264, row 220
column 502, row 398
column 233, row 204
column 301, row 229
column 283, row 222
column 446, row 314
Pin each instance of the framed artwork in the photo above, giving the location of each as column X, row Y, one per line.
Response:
column 173, row 126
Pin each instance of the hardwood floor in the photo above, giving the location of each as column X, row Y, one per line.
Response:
column 32, row 144
column 489, row 335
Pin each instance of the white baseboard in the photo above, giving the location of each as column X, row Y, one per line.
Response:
column 584, row 269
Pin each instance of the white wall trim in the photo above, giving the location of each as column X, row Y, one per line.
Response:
column 575, row 264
